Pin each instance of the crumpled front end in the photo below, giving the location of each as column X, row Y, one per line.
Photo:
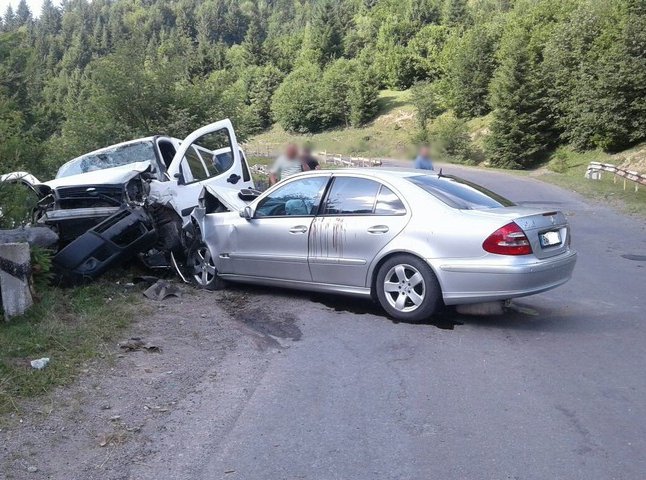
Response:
column 73, row 210
column 113, row 241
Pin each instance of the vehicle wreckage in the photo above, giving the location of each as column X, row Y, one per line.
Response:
column 134, row 199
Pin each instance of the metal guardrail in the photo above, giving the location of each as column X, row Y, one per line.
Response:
column 338, row 159
column 596, row 168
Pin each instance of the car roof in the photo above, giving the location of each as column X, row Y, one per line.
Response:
column 384, row 173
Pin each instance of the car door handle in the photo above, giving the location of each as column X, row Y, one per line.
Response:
column 298, row 229
column 378, row 229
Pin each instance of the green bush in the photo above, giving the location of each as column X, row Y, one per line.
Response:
column 16, row 204
column 297, row 104
column 450, row 137
column 559, row 162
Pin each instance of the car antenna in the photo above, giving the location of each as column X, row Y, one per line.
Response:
column 439, row 174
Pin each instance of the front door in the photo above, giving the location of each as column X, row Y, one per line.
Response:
column 208, row 156
column 359, row 218
column 274, row 242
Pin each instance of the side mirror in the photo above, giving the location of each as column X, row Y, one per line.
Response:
column 246, row 213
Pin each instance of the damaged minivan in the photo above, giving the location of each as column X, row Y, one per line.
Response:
column 134, row 198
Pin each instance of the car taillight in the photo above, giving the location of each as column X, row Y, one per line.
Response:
column 508, row 240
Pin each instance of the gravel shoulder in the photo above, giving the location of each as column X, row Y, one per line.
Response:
column 134, row 408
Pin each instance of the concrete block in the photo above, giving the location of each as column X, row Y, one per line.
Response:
column 15, row 271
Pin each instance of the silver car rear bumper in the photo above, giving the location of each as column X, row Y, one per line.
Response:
column 471, row 282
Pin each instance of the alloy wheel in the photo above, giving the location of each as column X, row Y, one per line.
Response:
column 204, row 268
column 404, row 288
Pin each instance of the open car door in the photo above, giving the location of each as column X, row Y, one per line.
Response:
column 210, row 156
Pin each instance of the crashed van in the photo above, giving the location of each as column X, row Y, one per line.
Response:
column 135, row 197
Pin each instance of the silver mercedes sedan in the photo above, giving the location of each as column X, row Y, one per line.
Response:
column 411, row 240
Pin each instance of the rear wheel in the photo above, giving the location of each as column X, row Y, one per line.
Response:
column 408, row 289
column 201, row 268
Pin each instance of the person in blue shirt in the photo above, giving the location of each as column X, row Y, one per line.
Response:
column 423, row 160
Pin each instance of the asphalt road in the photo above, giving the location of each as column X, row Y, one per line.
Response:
column 554, row 390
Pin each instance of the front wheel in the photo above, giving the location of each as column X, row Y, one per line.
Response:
column 201, row 268
column 408, row 289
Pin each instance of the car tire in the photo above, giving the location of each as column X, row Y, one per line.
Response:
column 201, row 270
column 407, row 289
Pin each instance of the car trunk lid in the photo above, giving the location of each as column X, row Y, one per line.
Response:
column 547, row 230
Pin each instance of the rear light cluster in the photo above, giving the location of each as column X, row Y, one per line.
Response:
column 508, row 240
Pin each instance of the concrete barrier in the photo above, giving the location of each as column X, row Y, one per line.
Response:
column 15, row 271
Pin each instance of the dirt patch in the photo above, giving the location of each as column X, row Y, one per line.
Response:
column 634, row 159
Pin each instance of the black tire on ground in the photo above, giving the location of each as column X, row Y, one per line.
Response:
column 407, row 289
column 200, row 269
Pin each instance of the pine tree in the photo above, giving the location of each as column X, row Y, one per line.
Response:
column 455, row 13
column 328, row 31
column 363, row 96
column 521, row 130
column 9, row 19
column 23, row 14
column 469, row 70
column 254, row 37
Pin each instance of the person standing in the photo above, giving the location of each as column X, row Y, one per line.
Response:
column 423, row 160
column 309, row 159
column 286, row 165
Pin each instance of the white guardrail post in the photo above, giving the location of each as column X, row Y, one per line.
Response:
column 595, row 169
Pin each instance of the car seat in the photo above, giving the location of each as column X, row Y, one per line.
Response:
column 296, row 207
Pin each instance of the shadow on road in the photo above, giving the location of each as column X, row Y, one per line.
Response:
column 520, row 316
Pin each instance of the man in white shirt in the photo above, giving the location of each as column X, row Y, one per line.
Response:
column 288, row 164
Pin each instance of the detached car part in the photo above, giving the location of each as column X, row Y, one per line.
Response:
column 113, row 241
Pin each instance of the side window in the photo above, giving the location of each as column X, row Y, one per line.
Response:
column 299, row 198
column 246, row 175
column 195, row 165
column 208, row 156
column 351, row 196
column 388, row 203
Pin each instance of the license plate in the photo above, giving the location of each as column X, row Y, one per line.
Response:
column 549, row 239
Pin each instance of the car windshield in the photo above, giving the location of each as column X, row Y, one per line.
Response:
column 459, row 193
column 108, row 158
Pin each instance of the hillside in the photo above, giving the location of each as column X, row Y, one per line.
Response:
column 389, row 135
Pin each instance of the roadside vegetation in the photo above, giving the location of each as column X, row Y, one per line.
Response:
column 567, row 167
column 69, row 326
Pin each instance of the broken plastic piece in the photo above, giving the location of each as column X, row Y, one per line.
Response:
column 162, row 289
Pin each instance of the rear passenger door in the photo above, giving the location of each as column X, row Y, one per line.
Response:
column 358, row 218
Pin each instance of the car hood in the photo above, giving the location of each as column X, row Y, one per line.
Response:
column 107, row 176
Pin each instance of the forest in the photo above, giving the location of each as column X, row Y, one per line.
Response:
column 547, row 73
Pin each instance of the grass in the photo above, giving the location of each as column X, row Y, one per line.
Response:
column 69, row 326
column 389, row 135
column 567, row 169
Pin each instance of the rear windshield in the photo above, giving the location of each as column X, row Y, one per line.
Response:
column 459, row 193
